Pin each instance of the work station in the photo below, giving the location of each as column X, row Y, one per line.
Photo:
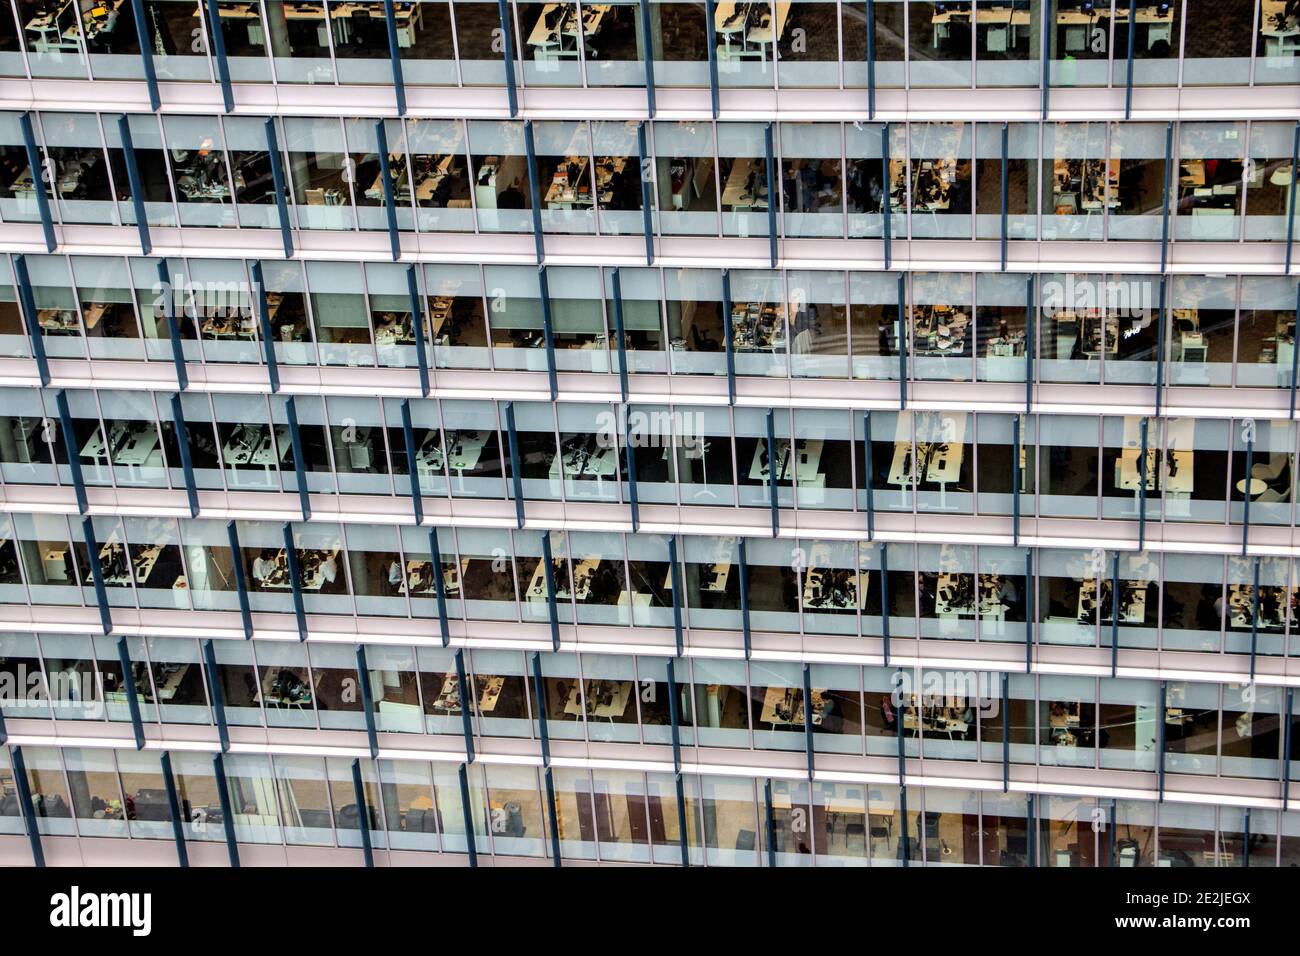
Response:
column 744, row 184
column 132, row 446
column 555, row 34
column 758, row 327
column 1169, row 471
column 830, row 589
column 748, row 31
column 938, row 460
column 268, row 570
column 251, row 449
column 801, row 464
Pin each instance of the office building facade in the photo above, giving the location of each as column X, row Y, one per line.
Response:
column 666, row 433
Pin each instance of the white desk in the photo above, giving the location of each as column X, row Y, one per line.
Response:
column 808, row 455
column 619, row 694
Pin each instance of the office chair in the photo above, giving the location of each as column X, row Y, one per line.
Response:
column 702, row 342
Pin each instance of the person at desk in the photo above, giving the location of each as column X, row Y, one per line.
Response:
column 263, row 566
column 395, row 577
column 624, row 188
column 511, row 197
column 329, row 570
column 883, row 340
column 887, row 713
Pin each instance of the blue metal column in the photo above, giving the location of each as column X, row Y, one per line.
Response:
column 1160, row 721
column 466, row 705
column 675, row 576
column 552, row 817
column 647, row 57
column 1142, row 486
column 548, row 330
column 1295, row 353
column 395, row 55
column 903, row 325
column 215, row 697
column 884, row 601
column 508, row 56
column 386, row 177
column 417, row 328
column 744, row 595
column 647, row 197
column 900, row 736
column 1290, row 201
column 412, row 465
column 516, row 480
column 1128, row 82
column 871, row 59
column 1288, row 721
column 552, row 607
column 680, row 786
column 544, row 738
column 768, row 154
column 30, row 318
column 1015, row 481
column 279, row 183
column 674, row 717
column 773, row 472
column 1032, row 847
column 173, row 327
column 634, row 502
column 1045, row 57
column 241, row 585
column 534, row 192
column 869, row 479
column 439, row 587
column 1029, row 344
column 97, row 574
column 133, row 181
column 769, row 822
column 468, row 813
column 728, row 335
column 1169, row 168
column 616, row 289
column 299, row 458
column 367, row 701
column 295, row 579
column 808, row 723
column 1254, row 621
column 539, row 695
column 1160, row 345
column 1004, row 197
column 902, row 806
column 885, row 214
column 1114, row 613
column 711, row 38
column 227, row 810
column 146, row 53
column 219, row 55
column 1029, row 609
column 70, row 446
column 1006, row 732
column 264, row 326
column 39, row 185
column 25, row 800
column 174, row 808
column 129, row 687
column 359, row 790
column 1245, row 503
